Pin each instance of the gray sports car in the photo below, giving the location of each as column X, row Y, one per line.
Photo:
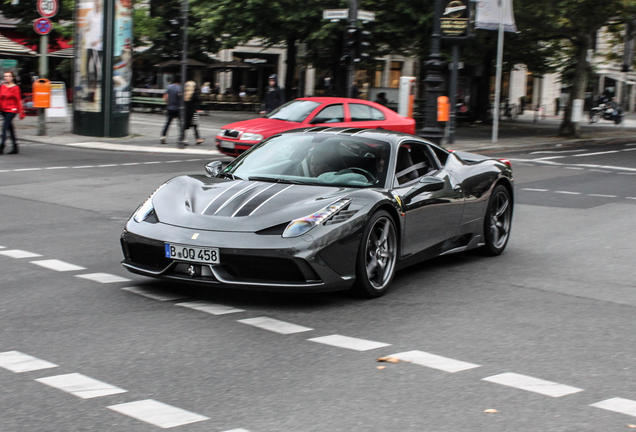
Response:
column 321, row 209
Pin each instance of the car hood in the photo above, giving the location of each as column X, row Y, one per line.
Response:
column 205, row 203
column 263, row 126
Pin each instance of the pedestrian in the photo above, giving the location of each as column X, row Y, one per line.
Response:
column 10, row 106
column 355, row 91
column 274, row 96
column 172, row 97
column 192, row 101
column 206, row 88
column 381, row 99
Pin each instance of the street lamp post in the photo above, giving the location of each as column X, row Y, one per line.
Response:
column 433, row 82
column 184, row 68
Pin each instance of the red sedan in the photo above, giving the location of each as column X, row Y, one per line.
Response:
column 237, row 137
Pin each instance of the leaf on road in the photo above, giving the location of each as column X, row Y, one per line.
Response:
column 631, row 426
column 389, row 359
column 491, row 410
column 381, row 367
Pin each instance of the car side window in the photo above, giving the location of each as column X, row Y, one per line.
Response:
column 414, row 160
column 330, row 114
column 361, row 112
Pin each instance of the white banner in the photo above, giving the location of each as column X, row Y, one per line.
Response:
column 488, row 14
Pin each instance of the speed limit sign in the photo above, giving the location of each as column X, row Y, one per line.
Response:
column 48, row 8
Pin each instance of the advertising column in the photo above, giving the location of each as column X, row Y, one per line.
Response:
column 103, row 71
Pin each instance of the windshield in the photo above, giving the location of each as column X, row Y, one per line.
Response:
column 294, row 111
column 314, row 160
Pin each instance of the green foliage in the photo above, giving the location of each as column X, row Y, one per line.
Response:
column 27, row 11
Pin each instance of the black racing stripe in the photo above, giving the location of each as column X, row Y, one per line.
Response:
column 260, row 199
column 224, row 196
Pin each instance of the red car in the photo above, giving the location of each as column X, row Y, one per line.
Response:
column 237, row 137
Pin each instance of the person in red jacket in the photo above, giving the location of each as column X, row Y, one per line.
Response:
column 10, row 106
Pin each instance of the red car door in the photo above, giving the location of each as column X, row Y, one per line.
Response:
column 360, row 115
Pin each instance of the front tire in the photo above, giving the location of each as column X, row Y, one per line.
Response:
column 377, row 256
column 498, row 221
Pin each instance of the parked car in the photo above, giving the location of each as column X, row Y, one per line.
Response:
column 237, row 137
column 321, row 209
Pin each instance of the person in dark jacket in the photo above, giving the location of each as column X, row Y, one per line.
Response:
column 274, row 96
column 192, row 103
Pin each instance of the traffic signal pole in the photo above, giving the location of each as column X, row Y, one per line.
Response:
column 43, row 72
column 184, row 68
column 353, row 24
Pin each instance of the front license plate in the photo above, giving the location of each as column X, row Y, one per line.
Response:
column 192, row 253
column 227, row 144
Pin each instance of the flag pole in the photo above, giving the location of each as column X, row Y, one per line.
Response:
column 500, row 41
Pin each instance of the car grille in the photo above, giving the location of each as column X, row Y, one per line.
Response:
column 262, row 269
column 147, row 253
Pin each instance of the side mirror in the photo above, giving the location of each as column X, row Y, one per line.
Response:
column 426, row 184
column 213, row 168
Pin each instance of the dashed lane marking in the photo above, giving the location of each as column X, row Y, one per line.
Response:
column 619, row 405
column 157, row 413
column 238, row 430
column 17, row 253
column 211, row 308
column 602, row 196
column 434, row 361
column 349, row 342
column 80, row 385
column 535, row 190
column 18, row 362
column 103, row 278
column 536, row 385
column 153, row 294
column 568, row 192
column 100, row 166
column 57, row 265
column 275, row 325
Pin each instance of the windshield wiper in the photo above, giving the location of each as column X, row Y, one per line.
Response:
column 275, row 180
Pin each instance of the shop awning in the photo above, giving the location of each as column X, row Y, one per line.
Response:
column 10, row 48
column 63, row 53
column 173, row 63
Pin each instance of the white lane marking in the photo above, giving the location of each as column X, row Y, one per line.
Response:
column 156, row 413
column 626, row 173
column 17, row 253
column 552, row 157
column 106, row 165
column 535, row 190
column 603, row 196
column 83, row 166
column 103, row 278
column 151, row 163
column 558, row 151
column 434, row 361
column 57, row 265
column 601, row 171
column 27, row 169
column 131, row 164
column 18, row 362
column 349, row 342
column 599, row 153
column 634, row 198
column 55, row 168
column 575, row 168
column 211, row 308
column 151, row 294
column 568, row 192
column 536, row 385
column 237, row 430
column 1, row 247
column 80, row 385
column 557, row 164
column 275, row 325
column 619, row 405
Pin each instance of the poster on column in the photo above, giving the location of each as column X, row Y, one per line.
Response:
column 89, row 55
column 489, row 13
column 122, row 56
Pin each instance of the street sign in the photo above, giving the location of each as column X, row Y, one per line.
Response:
column 366, row 15
column 335, row 14
column 48, row 8
column 42, row 26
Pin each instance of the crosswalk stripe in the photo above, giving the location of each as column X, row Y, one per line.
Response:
column 18, row 362
column 80, row 385
column 619, row 405
column 57, row 265
column 349, row 342
column 156, row 413
column 528, row 383
column 17, row 253
column 275, row 325
column 152, row 294
column 103, row 278
column 237, row 430
column 211, row 308
column 434, row 361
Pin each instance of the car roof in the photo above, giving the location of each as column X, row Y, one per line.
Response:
column 323, row 99
column 379, row 134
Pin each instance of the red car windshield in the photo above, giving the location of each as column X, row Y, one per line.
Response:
column 294, row 111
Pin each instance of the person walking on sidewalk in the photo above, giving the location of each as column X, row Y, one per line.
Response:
column 274, row 96
column 172, row 97
column 10, row 106
column 192, row 102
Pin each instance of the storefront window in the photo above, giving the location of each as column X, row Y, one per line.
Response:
column 395, row 74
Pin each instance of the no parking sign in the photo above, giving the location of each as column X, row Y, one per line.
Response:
column 42, row 26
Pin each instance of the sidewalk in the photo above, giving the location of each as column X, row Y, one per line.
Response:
column 145, row 129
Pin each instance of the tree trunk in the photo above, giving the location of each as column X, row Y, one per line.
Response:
column 568, row 127
column 291, row 68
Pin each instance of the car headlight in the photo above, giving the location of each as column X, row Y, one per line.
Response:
column 301, row 226
column 146, row 209
column 246, row 136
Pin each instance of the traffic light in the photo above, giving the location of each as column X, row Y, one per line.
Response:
column 174, row 29
column 362, row 45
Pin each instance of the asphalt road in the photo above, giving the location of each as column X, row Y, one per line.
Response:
column 557, row 306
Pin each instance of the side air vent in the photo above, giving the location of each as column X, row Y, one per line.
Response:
column 341, row 217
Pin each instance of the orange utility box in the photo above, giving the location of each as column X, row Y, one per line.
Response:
column 41, row 93
column 443, row 109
